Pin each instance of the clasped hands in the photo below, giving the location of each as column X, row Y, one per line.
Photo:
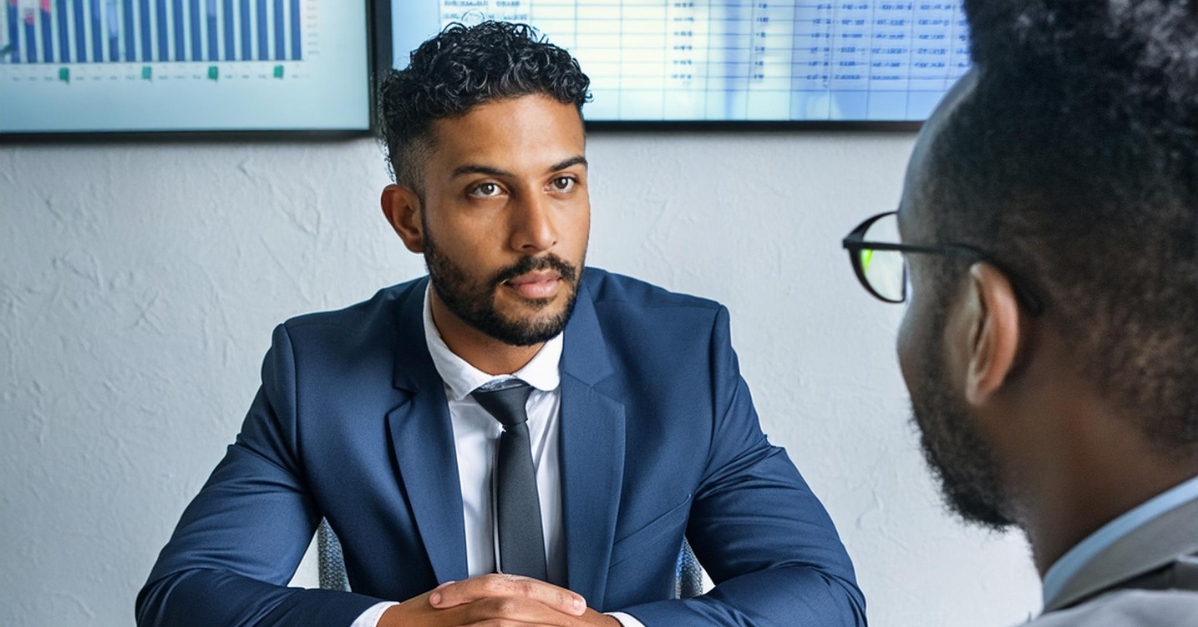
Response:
column 495, row 600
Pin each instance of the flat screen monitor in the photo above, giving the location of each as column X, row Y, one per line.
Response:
column 728, row 60
column 81, row 66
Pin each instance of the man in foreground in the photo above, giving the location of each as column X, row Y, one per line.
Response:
column 513, row 412
column 1049, row 225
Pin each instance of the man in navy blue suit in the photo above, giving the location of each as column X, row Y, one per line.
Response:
column 514, row 439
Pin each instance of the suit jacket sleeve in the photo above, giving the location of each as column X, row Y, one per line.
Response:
column 241, row 539
column 756, row 527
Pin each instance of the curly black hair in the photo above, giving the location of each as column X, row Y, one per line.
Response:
column 460, row 68
column 1075, row 159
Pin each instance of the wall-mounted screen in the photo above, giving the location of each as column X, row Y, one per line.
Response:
column 183, row 65
column 726, row 60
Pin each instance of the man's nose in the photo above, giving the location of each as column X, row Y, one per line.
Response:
column 532, row 228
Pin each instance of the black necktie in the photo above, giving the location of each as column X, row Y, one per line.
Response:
column 521, row 541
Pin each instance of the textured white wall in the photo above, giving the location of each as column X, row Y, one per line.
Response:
column 139, row 284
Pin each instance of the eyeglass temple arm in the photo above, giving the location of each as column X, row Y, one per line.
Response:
column 1035, row 306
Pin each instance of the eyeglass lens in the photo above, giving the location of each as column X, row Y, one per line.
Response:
column 884, row 270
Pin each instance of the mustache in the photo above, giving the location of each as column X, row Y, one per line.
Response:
column 529, row 264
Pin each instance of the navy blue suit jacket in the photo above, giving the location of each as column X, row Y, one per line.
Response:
column 659, row 439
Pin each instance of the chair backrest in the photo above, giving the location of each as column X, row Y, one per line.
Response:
column 690, row 574
column 331, row 561
column 332, row 565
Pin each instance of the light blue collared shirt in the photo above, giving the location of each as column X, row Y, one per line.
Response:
column 1110, row 533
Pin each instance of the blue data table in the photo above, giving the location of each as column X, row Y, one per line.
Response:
column 719, row 60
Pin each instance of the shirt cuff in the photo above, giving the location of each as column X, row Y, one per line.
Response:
column 370, row 618
column 625, row 619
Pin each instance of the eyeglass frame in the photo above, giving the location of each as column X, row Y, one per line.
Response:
column 855, row 242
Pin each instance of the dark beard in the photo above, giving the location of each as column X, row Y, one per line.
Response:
column 473, row 302
column 960, row 458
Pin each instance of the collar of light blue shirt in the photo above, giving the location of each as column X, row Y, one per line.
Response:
column 1077, row 557
column 461, row 378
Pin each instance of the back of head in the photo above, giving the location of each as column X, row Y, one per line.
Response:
column 463, row 67
column 1075, row 160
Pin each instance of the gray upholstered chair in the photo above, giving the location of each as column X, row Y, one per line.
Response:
column 332, row 565
column 330, row 559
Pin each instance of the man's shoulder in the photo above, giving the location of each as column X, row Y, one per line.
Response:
column 611, row 290
column 382, row 307
column 1128, row 608
column 650, row 326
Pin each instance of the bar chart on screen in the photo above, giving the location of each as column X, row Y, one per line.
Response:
column 727, row 60
column 117, row 65
column 64, row 31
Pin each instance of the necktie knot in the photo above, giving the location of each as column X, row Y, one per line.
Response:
column 505, row 401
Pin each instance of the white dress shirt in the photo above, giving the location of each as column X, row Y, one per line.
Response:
column 476, row 441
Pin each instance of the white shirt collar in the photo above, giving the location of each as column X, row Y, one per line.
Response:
column 542, row 373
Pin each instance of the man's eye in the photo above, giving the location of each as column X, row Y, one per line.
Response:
column 485, row 190
column 563, row 183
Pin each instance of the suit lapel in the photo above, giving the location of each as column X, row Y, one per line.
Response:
column 422, row 434
column 592, row 454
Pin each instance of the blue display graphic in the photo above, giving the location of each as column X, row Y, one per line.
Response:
column 719, row 60
column 142, row 65
column 129, row 30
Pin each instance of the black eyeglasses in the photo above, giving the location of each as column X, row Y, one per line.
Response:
column 877, row 258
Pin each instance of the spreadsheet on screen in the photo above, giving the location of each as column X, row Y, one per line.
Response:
column 726, row 60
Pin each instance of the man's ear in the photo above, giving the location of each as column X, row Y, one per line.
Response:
column 402, row 207
column 992, row 321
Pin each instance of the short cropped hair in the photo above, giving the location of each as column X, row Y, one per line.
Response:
column 1075, row 161
column 463, row 67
